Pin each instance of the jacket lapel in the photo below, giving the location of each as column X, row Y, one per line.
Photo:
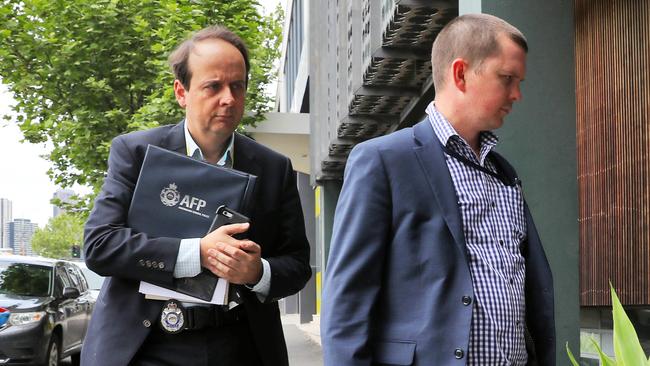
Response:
column 432, row 161
column 245, row 159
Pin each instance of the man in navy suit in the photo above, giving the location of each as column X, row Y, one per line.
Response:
column 211, row 71
column 434, row 257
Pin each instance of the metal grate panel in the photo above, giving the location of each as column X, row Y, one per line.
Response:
column 378, row 104
column 397, row 72
column 416, row 27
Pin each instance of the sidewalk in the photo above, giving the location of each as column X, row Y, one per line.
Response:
column 303, row 341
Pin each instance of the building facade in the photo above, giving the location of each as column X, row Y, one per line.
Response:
column 63, row 195
column 5, row 219
column 20, row 232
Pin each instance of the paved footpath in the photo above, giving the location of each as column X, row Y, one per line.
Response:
column 303, row 351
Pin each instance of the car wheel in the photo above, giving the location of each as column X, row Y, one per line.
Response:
column 76, row 359
column 53, row 352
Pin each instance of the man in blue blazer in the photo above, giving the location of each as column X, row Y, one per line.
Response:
column 211, row 72
column 434, row 257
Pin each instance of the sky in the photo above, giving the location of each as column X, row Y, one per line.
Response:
column 23, row 171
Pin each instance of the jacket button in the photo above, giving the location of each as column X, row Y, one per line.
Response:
column 154, row 264
column 148, row 264
column 467, row 300
column 458, row 353
column 146, row 323
column 141, row 262
column 161, row 265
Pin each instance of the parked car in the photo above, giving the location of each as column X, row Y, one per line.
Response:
column 48, row 305
column 94, row 280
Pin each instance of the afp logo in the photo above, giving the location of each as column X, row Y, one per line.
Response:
column 170, row 196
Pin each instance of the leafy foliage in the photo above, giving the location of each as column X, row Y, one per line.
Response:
column 58, row 237
column 627, row 347
column 85, row 71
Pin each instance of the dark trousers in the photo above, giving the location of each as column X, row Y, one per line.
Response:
column 228, row 345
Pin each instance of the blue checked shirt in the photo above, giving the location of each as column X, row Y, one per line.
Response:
column 494, row 227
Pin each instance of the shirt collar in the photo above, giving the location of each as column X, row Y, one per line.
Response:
column 448, row 136
column 193, row 148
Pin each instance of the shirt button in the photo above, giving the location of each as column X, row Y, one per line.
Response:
column 467, row 300
column 512, row 281
column 493, row 204
column 458, row 353
column 501, row 242
column 146, row 323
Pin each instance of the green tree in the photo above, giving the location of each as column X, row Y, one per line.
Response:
column 85, row 71
column 58, row 236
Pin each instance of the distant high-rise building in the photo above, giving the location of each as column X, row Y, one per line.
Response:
column 64, row 195
column 5, row 219
column 20, row 233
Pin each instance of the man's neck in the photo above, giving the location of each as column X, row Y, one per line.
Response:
column 212, row 145
column 454, row 114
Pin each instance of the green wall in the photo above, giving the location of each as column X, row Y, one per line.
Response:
column 539, row 139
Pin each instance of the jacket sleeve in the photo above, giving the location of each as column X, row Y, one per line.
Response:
column 113, row 249
column 289, row 261
column 353, row 277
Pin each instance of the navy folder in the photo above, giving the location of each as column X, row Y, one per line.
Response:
column 177, row 196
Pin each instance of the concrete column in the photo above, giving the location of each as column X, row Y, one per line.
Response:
column 327, row 194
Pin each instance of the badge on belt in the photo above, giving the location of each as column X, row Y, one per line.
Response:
column 173, row 317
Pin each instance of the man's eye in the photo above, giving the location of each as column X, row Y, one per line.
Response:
column 214, row 86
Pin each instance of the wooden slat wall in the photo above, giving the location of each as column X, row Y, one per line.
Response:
column 613, row 132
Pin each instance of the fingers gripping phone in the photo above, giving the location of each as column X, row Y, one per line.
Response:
column 227, row 216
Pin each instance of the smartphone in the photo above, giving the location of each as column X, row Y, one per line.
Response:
column 227, row 216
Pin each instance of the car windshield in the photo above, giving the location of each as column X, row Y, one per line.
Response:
column 22, row 279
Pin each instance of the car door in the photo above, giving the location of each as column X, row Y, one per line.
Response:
column 72, row 312
column 85, row 299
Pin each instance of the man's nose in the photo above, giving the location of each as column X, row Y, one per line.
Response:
column 515, row 93
column 227, row 96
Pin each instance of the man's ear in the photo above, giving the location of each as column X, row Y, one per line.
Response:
column 459, row 70
column 179, row 92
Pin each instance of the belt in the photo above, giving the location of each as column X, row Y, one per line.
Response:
column 200, row 316
column 177, row 317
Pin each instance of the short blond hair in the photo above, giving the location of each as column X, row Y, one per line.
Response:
column 473, row 37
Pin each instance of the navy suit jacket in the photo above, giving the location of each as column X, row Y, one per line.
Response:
column 122, row 317
column 398, row 270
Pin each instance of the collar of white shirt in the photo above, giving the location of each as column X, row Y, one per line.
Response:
column 192, row 147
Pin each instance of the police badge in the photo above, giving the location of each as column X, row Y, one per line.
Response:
column 172, row 318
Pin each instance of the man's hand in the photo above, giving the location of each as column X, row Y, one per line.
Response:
column 238, row 261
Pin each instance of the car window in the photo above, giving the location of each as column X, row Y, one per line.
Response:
column 77, row 278
column 95, row 281
column 62, row 279
column 22, row 279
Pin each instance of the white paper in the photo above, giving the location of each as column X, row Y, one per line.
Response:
column 154, row 292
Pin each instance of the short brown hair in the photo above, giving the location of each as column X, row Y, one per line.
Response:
column 473, row 37
column 178, row 59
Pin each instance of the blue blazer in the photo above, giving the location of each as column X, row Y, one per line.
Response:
column 122, row 317
column 398, row 271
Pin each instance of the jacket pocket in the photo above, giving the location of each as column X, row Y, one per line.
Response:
column 394, row 352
